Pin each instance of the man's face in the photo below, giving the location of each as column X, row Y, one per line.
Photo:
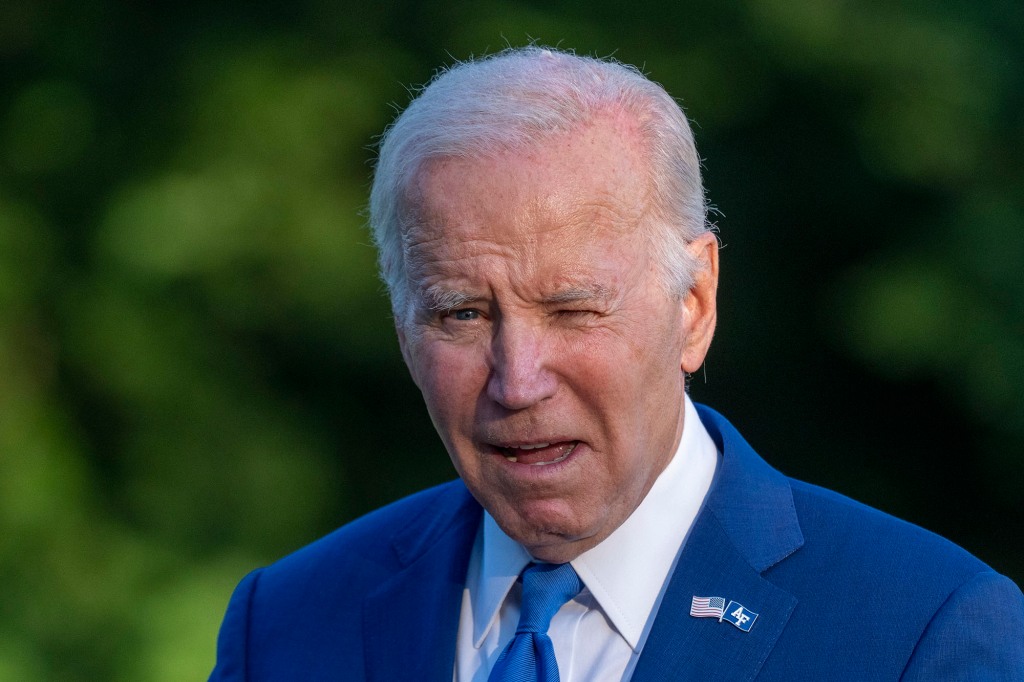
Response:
column 549, row 353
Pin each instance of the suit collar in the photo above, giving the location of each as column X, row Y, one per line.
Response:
column 412, row 619
column 752, row 501
column 748, row 524
column 453, row 510
column 682, row 647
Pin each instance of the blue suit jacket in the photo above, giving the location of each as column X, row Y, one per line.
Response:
column 843, row 592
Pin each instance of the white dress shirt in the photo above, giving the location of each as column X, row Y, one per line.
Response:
column 598, row 635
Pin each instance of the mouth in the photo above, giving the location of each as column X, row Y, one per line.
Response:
column 538, row 454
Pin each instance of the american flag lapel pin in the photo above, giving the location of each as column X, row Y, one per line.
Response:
column 715, row 607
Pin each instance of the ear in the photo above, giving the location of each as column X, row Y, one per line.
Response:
column 700, row 303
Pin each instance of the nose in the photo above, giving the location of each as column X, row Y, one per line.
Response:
column 520, row 376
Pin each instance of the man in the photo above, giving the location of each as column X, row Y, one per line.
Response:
column 542, row 232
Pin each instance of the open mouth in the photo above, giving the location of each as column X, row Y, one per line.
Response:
column 538, row 454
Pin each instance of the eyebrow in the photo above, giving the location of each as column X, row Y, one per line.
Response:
column 580, row 293
column 440, row 299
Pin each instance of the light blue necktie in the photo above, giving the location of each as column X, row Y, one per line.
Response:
column 530, row 657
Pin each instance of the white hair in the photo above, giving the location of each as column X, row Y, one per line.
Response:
column 517, row 99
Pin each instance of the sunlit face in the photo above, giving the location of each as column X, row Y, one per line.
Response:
column 549, row 353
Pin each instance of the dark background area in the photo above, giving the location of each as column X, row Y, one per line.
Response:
column 197, row 368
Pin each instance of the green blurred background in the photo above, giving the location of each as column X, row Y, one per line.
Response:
column 197, row 369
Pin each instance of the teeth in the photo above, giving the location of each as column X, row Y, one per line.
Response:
column 538, row 446
column 512, row 458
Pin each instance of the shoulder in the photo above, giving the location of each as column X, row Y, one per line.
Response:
column 871, row 592
column 375, row 542
column 305, row 611
column 862, row 536
column 856, row 555
column 341, row 567
column 823, row 530
column 861, row 571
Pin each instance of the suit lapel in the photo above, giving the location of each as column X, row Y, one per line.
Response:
column 412, row 620
column 748, row 524
column 682, row 647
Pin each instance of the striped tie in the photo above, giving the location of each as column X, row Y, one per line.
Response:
column 530, row 657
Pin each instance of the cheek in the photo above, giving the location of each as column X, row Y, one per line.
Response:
column 622, row 366
column 448, row 379
column 631, row 382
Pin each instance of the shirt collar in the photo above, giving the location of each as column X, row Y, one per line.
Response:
column 627, row 572
column 501, row 561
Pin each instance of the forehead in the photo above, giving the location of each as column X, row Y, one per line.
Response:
column 579, row 184
column 559, row 222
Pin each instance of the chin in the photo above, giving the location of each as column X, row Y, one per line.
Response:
column 549, row 534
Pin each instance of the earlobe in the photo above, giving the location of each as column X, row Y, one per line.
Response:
column 700, row 304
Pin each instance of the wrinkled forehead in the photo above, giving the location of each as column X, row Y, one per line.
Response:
column 600, row 166
column 549, row 222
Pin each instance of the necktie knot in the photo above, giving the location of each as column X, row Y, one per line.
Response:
column 546, row 587
column 530, row 656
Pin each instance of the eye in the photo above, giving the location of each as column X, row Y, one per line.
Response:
column 576, row 318
column 465, row 314
column 574, row 313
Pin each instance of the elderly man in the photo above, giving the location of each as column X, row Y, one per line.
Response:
column 542, row 232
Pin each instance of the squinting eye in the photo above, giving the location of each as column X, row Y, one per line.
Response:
column 465, row 315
